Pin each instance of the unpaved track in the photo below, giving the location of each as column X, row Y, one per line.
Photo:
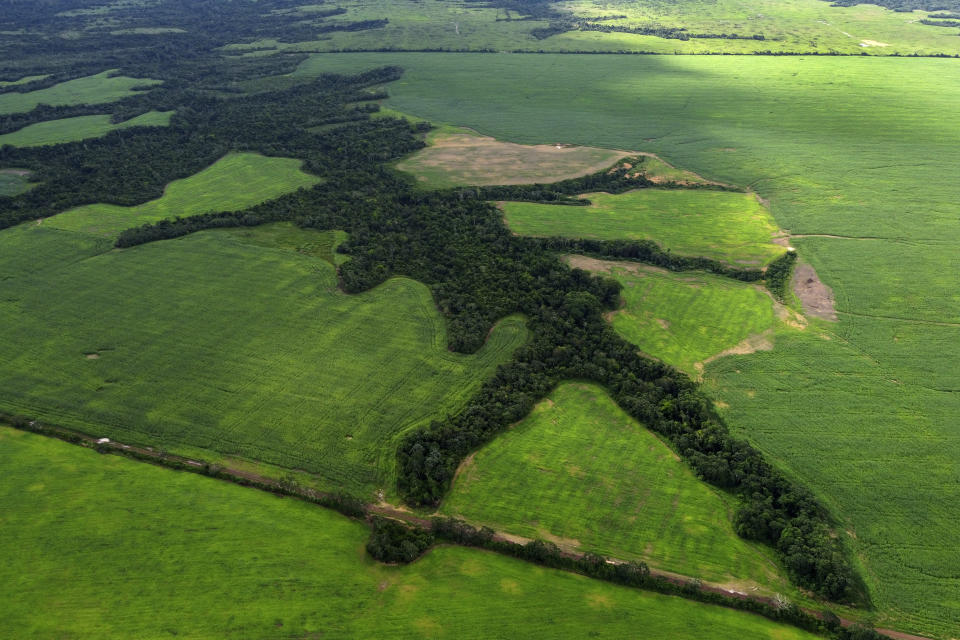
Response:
column 382, row 509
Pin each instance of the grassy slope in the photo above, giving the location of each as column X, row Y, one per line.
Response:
column 684, row 319
column 95, row 542
column 95, row 89
column 788, row 25
column 234, row 182
column 581, row 470
column 873, row 407
column 23, row 80
column 79, row 128
column 732, row 227
column 218, row 342
column 13, row 182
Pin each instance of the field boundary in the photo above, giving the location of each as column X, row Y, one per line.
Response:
column 660, row 581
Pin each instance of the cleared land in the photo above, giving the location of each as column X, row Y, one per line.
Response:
column 13, row 181
column 581, row 472
column 684, row 319
column 876, row 404
column 787, row 26
column 234, row 182
column 725, row 225
column 92, row 551
column 96, row 89
column 229, row 343
column 454, row 159
column 23, row 80
column 79, row 128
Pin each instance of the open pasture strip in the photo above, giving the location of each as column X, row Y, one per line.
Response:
column 558, row 563
column 689, row 318
column 236, row 181
column 727, row 226
column 13, row 182
column 96, row 89
column 821, row 140
column 79, row 128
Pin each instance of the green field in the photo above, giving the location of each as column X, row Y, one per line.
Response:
column 229, row 343
column 686, row 319
column 864, row 418
column 725, row 225
column 96, row 89
column 13, row 182
column 457, row 157
column 581, row 472
column 787, row 26
column 96, row 544
column 235, row 182
column 24, row 80
column 79, row 128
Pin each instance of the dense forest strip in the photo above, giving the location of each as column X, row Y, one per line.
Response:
column 448, row 530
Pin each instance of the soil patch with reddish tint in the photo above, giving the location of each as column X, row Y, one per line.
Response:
column 816, row 297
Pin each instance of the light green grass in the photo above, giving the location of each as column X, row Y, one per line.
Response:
column 96, row 89
column 580, row 471
column 458, row 157
column 685, row 319
column 224, row 343
column 788, row 26
column 79, row 128
column 14, row 182
column 855, row 147
column 24, row 80
column 235, row 182
column 94, row 544
column 725, row 225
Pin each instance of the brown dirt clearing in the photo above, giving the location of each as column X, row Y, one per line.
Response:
column 816, row 297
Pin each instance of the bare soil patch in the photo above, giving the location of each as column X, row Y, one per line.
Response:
column 816, row 297
column 595, row 265
column 752, row 344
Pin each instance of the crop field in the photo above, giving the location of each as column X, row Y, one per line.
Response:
column 860, row 181
column 685, row 319
column 91, row 552
column 13, row 181
column 581, row 472
column 233, row 343
column 732, row 227
column 461, row 158
column 79, row 128
column 234, row 182
column 96, row 89
column 787, row 26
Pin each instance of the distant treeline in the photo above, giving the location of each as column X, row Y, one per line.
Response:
column 669, row 33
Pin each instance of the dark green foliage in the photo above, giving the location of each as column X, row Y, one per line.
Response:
column 905, row 5
column 395, row 542
column 778, row 274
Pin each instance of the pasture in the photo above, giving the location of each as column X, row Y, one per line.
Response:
column 456, row 158
column 95, row 542
column 234, row 182
column 787, row 26
column 23, row 80
column 96, row 89
column 581, row 472
column 79, row 128
column 861, row 411
column 229, row 343
column 725, row 225
column 684, row 319
column 13, row 182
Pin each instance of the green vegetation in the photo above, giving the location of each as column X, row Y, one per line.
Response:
column 724, row 225
column 231, row 342
column 96, row 550
column 786, row 26
column 79, row 128
column 96, row 89
column 24, row 80
column 821, row 139
column 460, row 158
column 581, row 472
column 685, row 319
column 235, row 182
column 14, row 182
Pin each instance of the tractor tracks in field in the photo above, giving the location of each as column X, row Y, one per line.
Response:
column 251, row 479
